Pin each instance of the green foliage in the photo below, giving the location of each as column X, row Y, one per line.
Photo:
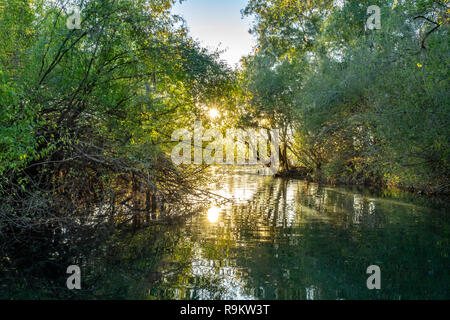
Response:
column 368, row 106
column 86, row 115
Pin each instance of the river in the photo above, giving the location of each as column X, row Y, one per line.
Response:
column 290, row 239
column 281, row 239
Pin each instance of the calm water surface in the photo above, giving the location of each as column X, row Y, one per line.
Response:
column 289, row 239
column 277, row 239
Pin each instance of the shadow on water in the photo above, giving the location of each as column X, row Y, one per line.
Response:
column 278, row 239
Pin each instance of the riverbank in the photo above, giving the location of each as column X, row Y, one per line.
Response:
column 374, row 183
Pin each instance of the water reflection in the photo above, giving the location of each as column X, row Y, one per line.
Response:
column 289, row 239
column 278, row 239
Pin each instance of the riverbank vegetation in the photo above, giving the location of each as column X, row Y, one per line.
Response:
column 87, row 114
column 354, row 105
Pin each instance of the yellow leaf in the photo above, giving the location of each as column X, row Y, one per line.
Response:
column 395, row 4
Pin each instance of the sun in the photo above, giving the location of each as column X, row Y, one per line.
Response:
column 213, row 214
column 213, row 113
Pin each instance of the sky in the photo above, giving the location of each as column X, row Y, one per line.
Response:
column 218, row 24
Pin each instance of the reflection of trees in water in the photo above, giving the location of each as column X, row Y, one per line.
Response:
column 296, row 240
column 282, row 239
